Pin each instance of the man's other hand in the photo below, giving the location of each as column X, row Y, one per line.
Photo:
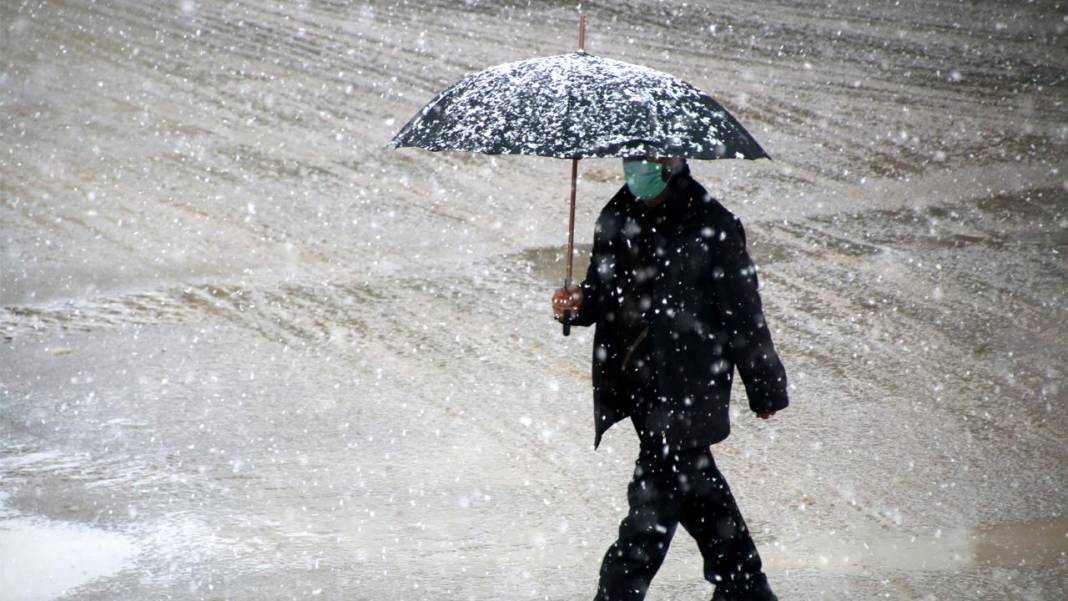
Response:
column 566, row 298
column 765, row 414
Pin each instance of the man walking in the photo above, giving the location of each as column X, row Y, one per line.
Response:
column 673, row 294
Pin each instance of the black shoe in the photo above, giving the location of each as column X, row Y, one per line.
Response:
column 762, row 592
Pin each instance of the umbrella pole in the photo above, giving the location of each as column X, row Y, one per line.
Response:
column 571, row 217
column 570, row 241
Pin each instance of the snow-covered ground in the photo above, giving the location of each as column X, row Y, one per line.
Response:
column 248, row 352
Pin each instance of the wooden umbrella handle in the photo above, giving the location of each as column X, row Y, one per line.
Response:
column 570, row 242
column 571, row 216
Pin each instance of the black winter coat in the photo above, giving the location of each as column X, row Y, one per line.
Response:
column 706, row 320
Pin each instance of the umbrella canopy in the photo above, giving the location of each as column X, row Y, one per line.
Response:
column 575, row 106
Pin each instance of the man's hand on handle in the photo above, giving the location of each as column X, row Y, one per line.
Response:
column 566, row 298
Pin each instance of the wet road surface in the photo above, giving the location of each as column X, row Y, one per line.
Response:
column 250, row 353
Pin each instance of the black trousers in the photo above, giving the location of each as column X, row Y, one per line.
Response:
column 680, row 486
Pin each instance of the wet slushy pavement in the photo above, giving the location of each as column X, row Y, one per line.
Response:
column 248, row 352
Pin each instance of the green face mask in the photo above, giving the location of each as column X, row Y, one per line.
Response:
column 644, row 179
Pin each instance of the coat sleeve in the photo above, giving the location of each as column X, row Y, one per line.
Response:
column 596, row 288
column 750, row 348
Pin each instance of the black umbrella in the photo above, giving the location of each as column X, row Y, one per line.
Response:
column 574, row 106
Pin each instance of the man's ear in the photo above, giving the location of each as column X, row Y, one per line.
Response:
column 669, row 168
column 675, row 165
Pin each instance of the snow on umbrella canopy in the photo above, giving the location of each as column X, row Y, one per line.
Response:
column 577, row 106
